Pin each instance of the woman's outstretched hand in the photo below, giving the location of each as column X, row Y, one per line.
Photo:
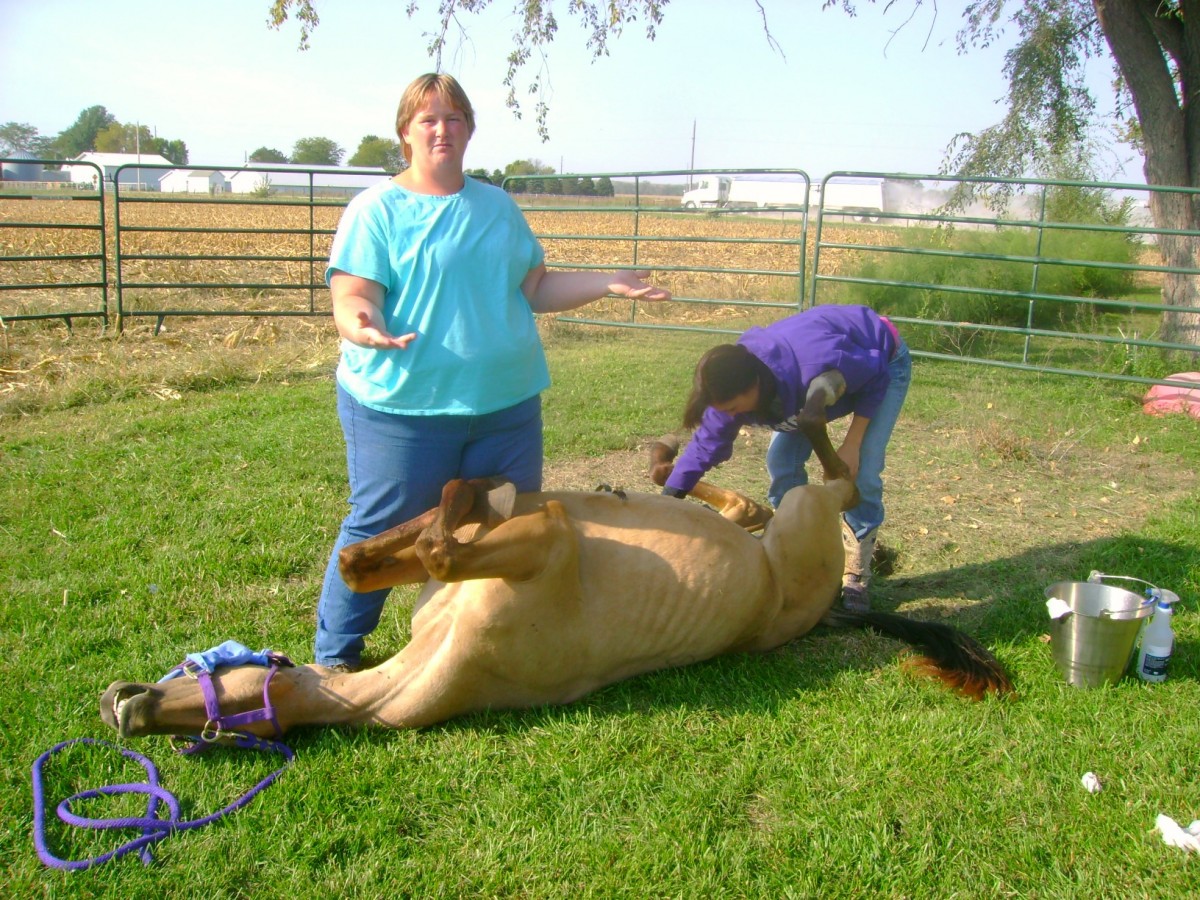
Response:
column 632, row 284
column 369, row 335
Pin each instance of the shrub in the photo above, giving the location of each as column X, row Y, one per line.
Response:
column 990, row 268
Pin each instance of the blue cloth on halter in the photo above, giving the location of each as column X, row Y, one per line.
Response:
column 230, row 653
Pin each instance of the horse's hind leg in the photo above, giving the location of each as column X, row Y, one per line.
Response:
column 662, row 458
column 389, row 559
column 823, row 391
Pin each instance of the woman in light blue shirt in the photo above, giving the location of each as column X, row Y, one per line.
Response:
column 435, row 279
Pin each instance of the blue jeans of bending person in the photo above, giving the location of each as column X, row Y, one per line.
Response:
column 398, row 465
column 790, row 450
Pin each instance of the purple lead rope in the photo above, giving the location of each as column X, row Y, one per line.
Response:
column 153, row 828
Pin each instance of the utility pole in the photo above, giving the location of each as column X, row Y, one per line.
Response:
column 692, row 162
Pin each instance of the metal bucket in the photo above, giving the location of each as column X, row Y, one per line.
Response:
column 1094, row 642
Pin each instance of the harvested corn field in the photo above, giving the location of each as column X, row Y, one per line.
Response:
column 162, row 257
column 229, row 257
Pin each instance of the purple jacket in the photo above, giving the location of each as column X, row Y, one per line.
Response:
column 855, row 340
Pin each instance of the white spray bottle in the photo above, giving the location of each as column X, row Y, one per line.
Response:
column 1158, row 639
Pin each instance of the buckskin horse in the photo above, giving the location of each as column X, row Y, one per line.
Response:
column 542, row 598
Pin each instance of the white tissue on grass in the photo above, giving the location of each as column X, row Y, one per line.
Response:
column 1057, row 607
column 1176, row 836
column 1091, row 783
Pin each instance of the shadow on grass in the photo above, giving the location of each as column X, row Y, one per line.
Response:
column 1004, row 599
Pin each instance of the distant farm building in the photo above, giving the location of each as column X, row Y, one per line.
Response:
column 281, row 178
column 21, row 166
column 132, row 174
column 194, row 181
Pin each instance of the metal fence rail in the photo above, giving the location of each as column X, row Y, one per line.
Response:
column 728, row 264
column 1065, row 277
column 247, row 242
column 1062, row 277
column 53, row 257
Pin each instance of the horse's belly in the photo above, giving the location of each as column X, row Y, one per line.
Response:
column 627, row 599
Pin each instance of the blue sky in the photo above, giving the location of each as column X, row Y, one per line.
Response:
column 872, row 93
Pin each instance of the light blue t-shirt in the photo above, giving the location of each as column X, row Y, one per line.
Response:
column 452, row 269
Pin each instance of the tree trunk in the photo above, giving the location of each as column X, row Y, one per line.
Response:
column 1142, row 42
column 1181, row 291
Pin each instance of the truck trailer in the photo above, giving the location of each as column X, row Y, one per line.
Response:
column 860, row 200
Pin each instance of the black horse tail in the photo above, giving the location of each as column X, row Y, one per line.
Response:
column 949, row 655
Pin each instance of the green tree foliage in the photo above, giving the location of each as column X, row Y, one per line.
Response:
column 268, row 155
column 81, row 136
column 19, row 137
column 112, row 139
column 376, row 152
column 175, row 151
column 527, row 167
column 317, row 151
column 132, row 138
column 604, row 187
column 1051, row 117
column 97, row 129
column 119, row 138
column 534, row 28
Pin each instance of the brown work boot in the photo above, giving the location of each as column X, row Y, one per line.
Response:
column 856, row 575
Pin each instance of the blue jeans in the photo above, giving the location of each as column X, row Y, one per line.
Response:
column 398, row 466
column 790, row 450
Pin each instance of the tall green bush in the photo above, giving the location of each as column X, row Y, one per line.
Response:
column 985, row 277
column 989, row 271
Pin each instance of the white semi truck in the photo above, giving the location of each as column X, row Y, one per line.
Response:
column 861, row 200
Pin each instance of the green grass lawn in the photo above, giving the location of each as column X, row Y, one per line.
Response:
column 137, row 525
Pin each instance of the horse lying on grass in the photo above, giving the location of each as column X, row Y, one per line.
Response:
column 557, row 594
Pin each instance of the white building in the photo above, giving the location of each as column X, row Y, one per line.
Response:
column 285, row 178
column 134, row 176
column 193, row 181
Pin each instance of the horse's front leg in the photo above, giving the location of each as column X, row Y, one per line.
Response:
column 389, row 558
column 517, row 550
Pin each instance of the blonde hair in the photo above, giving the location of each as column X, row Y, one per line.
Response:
column 416, row 95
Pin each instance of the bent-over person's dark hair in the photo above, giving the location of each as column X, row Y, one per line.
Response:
column 723, row 373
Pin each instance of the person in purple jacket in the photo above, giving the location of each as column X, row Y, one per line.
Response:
column 764, row 379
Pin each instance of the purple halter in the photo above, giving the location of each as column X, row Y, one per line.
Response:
column 218, row 729
column 226, row 729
